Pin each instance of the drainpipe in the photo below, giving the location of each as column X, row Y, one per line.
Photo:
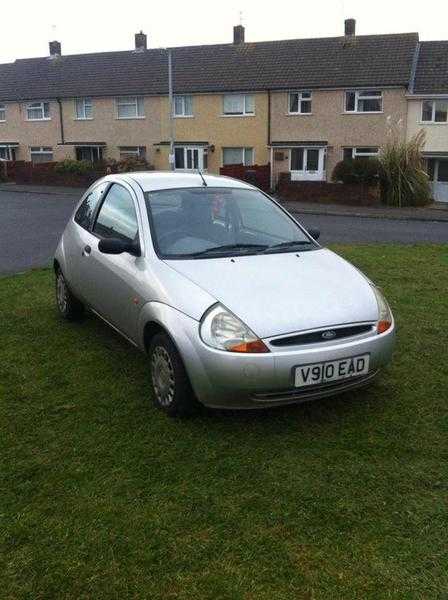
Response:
column 271, row 166
column 61, row 120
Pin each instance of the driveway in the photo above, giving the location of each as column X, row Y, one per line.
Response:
column 31, row 223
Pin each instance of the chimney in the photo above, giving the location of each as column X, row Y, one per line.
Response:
column 55, row 49
column 350, row 27
column 140, row 42
column 238, row 34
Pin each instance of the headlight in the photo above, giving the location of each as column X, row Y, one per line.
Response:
column 222, row 330
column 384, row 312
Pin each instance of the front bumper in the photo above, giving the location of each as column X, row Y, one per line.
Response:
column 231, row 380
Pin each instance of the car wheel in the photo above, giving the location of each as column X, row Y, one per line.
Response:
column 171, row 387
column 69, row 307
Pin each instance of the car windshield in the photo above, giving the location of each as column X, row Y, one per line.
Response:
column 214, row 222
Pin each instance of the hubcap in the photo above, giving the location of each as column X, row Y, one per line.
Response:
column 162, row 374
column 61, row 294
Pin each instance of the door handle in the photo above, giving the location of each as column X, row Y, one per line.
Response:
column 87, row 250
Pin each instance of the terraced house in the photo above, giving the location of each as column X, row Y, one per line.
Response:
column 300, row 105
column 428, row 110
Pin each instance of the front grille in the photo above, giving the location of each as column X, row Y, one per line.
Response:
column 323, row 335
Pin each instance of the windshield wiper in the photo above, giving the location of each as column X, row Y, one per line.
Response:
column 226, row 247
column 288, row 244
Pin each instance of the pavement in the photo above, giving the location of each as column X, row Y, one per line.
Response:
column 32, row 219
column 438, row 211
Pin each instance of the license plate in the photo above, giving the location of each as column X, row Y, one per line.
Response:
column 332, row 370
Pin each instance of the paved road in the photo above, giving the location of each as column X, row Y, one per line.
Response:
column 31, row 223
column 373, row 230
column 30, row 227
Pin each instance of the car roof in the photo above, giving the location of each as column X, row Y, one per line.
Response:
column 162, row 180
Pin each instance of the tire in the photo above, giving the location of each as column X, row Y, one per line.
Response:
column 172, row 391
column 69, row 307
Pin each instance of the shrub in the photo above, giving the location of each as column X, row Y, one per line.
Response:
column 404, row 181
column 75, row 167
column 357, row 170
column 132, row 164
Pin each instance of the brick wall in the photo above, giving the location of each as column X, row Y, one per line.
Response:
column 327, row 193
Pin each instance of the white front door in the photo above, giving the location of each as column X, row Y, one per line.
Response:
column 307, row 164
column 440, row 180
column 189, row 158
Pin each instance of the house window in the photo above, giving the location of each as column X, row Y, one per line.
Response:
column 132, row 152
column 360, row 152
column 38, row 111
column 91, row 153
column 435, row 111
column 41, row 154
column 299, row 103
column 83, row 108
column 2, row 112
column 183, row 106
column 130, row 108
column 238, row 104
column 7, row 153
column 364, row 101
column 238, row 156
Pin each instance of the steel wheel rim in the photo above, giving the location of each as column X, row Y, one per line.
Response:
column 61, row 294
column 162, row 373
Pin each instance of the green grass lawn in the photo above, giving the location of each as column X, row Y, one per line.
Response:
column 102, row 496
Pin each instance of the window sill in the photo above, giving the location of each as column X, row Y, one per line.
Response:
column 297, row 114
column 184, row 116
column 433, row 122
column 34, row 120
column 237, row 116
column 371, row 112
column 82, row 119
column 129, row 118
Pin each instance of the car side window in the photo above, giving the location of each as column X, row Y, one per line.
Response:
column 117, row 217
column 85, row 212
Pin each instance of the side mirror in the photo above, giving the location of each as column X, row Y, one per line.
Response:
column 117, row 246
column 314, row 233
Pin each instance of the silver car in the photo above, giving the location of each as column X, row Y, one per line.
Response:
column 234, row 302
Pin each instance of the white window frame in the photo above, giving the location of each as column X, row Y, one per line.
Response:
column 85, row 103
column 357, row 93
column 38, row 106
column 183, row 114
column 41, row 150
column 306, row 175
column 2, row 110
column 300, row 99
column 7, row 151
column 433, row 114
column 245, row 112
column 243, row 150
column 131, row 151
column 356, row 154
column 130, row 101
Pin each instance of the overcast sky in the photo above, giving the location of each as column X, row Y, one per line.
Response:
column 101, row 25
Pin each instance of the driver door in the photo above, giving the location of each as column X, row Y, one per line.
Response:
column 112, row 281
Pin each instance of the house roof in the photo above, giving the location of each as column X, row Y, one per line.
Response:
column 431, row 76
column 372, row 60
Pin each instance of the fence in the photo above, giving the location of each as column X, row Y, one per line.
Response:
column 45, row 174
column 258, row 175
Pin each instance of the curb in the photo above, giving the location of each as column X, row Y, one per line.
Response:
column 432, row 219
